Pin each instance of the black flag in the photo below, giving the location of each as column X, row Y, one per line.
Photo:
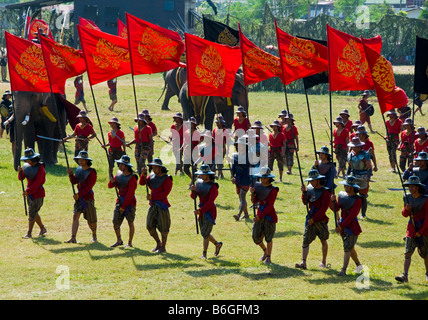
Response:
column 421, row 66
column 220, row 33
column 318, row 78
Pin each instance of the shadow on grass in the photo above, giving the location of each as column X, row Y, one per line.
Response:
column 273, row 271
column 381, row 244
column 59, row 170
column 376, row 221
column 380, row 205
column 169, row 261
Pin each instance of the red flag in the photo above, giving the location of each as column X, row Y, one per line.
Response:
column 122, row 29
column 258, row 65
column 26, row 65
column 300, row 57
column 106, row 55
column 211, row 67
column 153, row 49
column 86, row 23
column 62, row 62
column 37, row 24
column 388, row 94
column 348, row 67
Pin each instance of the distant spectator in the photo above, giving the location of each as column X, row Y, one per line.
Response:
column 3, row 64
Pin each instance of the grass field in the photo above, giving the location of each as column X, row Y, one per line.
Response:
column 31, row 269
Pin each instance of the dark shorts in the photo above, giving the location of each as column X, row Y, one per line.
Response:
column 118, row 217
column 317, row 229
column 263, row 229
column 206, row 226
column 412, row 244
column 34, row 206
column 158, row 218
column 349, row 241
column 87, row 207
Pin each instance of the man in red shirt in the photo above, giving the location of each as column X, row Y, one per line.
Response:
column 340, row 142
column 116, row 143
column 363, row 106
column 276, row 148
column 34, row 171
column 349, row 203
column 158, row 217
column 207, row 190
column 264, row 194
column 346, row 121
column 406, row 146
column 317, row 198
column 177, row 141
column 292, row 141
column 85, row 178
column 143, row 138
column 79, row 95
column 241, row 123
column 415, row 207
column 126, row 182
column 393, row 127
column 83, row 132
column 369, row 146
column 421, row 143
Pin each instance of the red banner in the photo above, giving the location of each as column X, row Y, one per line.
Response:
column 348, row 67
column 86, row 23
column 211, row 67
column 388, row 94
column 106, row 55
column 62, row 62
column 26, row 66
column 153, row 49
column 37, row 24
column 300, row 58
column 122, row 29
column 258, row 65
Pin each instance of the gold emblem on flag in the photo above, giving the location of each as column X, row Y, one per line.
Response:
column 31, row 66
column 227, row 38
column 109, row 55
column 63, row 57
column 211, row 69
column 256, row 59
column 155, row 47
column 300, row 52
column 383, row 75
column 124, row 33
column 351, row 63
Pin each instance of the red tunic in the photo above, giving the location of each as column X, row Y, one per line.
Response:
column 145, row 134
column 158, row 194
column 321, row 205
column 289, row 136
column 349, row 217
column 368, row 145
column 85, row 131
column 153, row 127
column 84, row 189
column 394, row 128
column 422, row 217
column 35, row 186
column 276, row 142
column 245, row 124
column 341, row 139
column 348, row 125
column 421, row 147
column 114, row 140
column 207, row 202
column 177, row 133
column 407, row 140
column 267, row 205
column 127, row 193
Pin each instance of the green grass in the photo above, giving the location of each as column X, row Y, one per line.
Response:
column 100, row 272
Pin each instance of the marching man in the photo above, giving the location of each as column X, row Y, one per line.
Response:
column 85, row 178
column 34, row 171
column 264, row 194
column 160, row 184
column 317, row 197
column 207, row 191
column 126, row 181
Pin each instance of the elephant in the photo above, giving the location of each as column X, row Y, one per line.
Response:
column 174, row 80
column 37, row 114
column 208, row 107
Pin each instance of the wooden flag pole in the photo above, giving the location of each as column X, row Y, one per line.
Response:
column 310, row 123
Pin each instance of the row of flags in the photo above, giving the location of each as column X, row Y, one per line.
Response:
column 344, row 61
